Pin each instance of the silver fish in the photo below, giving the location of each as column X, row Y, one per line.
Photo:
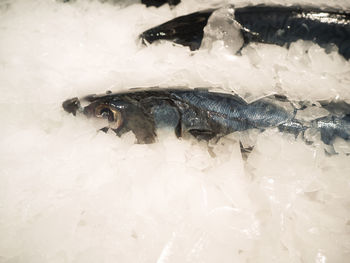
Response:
column 206, row 115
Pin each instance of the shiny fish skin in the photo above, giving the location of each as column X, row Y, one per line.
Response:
column 158, row 3
column 279, row 25
column 184, row 30
column 204, row 114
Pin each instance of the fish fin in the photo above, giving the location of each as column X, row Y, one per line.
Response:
column 245, row 151
column 202, row 134
column 239, row 51
column 327, row 136
column 104, row 129
column 144, row 130
column 178, row 130
column 142, row 136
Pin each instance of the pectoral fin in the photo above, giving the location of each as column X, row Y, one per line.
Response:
column 202, row 134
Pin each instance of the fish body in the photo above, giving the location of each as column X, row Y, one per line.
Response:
column 279, row 25
column 203, row 114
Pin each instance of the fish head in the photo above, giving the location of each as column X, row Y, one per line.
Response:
column 109, row 109
column 184, row 30
column 122, row 113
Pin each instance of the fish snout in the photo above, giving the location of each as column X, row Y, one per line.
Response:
column 148, row 37
column 72, row 105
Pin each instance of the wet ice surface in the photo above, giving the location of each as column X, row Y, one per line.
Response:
column 222, row 27
column 71, row 194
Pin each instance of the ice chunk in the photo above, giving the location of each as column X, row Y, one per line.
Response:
column 311, row 113
column 341, row 146
column 223, row 27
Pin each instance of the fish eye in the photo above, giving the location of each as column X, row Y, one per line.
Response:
column 104, row 112
column 113, row 116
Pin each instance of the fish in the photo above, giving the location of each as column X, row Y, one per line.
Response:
column 158, row 3
column 183, row 30
column 148, row 3
column 269, row 24
column 208, row 115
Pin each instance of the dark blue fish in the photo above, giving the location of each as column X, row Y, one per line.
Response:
column 148, row 3
column 205, row 114
column 158, row 3
column 279, row 25
column 184, row 30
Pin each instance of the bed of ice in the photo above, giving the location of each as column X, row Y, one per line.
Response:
column 71, row 194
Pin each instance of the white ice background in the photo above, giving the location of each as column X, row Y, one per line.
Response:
column 71, row 194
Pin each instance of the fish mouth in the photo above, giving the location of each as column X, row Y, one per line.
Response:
column 72, row 106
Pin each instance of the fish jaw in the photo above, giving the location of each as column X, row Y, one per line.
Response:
column 121, row 112
column 72, row 105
